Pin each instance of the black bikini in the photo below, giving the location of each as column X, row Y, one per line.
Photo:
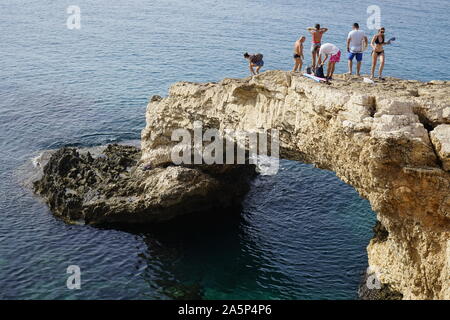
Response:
column 378, row 42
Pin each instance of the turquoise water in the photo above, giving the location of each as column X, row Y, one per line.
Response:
column 300, row 235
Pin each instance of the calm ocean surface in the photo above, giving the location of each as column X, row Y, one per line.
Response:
column 301, row 234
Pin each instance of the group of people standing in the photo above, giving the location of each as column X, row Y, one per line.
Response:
column 357, row 42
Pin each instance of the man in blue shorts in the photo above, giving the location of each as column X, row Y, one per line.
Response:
column 356, row 41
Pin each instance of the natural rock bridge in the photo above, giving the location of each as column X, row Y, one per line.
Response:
column 390, row 141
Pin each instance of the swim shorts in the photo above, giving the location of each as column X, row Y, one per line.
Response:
column 315, row 46
column 259, row 63
column 358, row 55
column 336, row 57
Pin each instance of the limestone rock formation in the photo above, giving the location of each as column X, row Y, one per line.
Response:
column 114, row 189
column 390, row 141
column 440, row 137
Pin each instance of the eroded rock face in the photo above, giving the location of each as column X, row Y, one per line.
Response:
column 389, row 141
column 113, row 189
column 440, row 137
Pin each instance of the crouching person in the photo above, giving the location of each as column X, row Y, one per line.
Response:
column 255, row 61
column 332, row 54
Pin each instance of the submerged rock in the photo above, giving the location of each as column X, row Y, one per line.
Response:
column 179, row 291
column 113, row 189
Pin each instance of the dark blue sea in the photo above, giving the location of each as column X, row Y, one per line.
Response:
column 301, row 234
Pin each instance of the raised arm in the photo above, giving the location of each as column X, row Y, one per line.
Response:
column 323, row 30
column 310, row 29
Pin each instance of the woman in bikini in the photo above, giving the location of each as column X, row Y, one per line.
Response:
column 378, row 44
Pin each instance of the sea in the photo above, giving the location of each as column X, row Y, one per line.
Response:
column 79, row 73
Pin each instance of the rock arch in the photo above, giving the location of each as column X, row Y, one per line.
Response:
column 390, row 141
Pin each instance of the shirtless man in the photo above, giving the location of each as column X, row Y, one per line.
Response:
column 316, row 34
column 298, row 54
